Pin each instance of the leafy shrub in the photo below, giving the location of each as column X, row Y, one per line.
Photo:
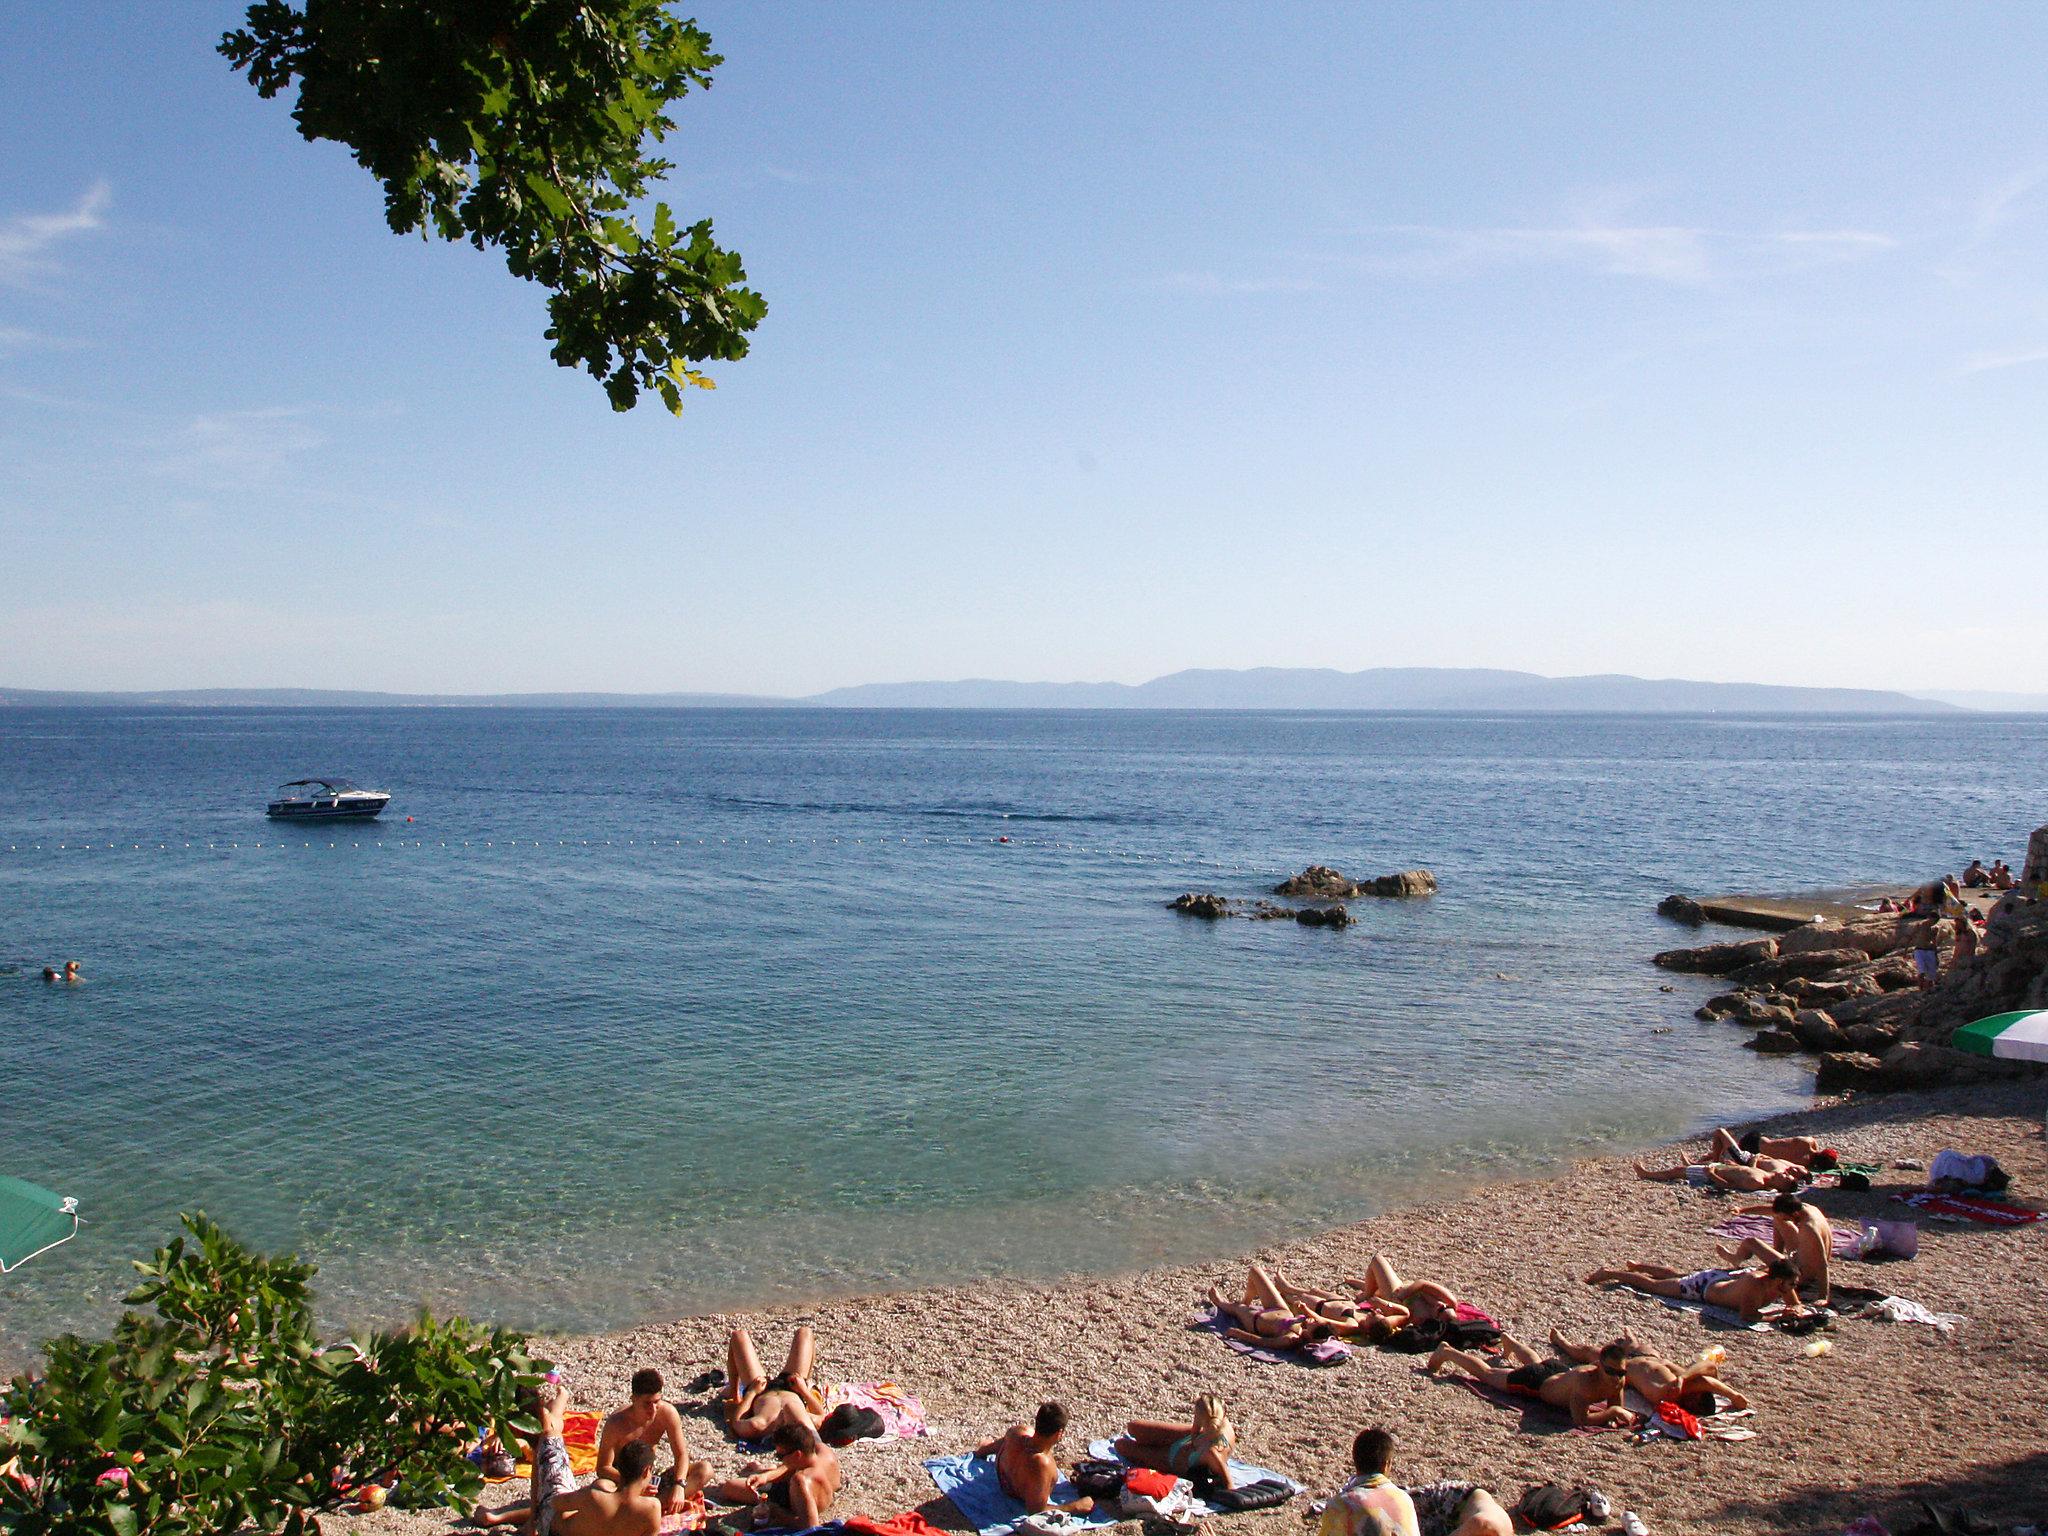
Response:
column 224, row 1410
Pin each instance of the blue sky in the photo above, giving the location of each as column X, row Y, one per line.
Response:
column 1103, row 341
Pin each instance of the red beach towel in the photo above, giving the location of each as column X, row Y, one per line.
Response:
column 1978, row 1208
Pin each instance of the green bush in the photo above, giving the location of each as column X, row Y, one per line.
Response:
column 224, row 1410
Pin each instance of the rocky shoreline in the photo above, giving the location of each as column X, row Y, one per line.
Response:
column 1850, row 992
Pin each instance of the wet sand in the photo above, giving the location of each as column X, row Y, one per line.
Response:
column 1892, row 1413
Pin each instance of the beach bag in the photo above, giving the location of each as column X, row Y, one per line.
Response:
column 1099, row 1479
column 1266, row 1493
column 1548, row 1507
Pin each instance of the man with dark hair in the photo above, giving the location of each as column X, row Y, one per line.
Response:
column 622, row 1503
column 795, row 1495
column 645, row 1421
column 1747, row 1291
column 1657, row 1380
column 1804, row 1151
column 1025, row 1467
column 1590, row 1394
column 1799, row 1232
column 1372, row 1504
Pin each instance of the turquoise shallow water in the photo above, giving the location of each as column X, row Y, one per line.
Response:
column 651, row 1011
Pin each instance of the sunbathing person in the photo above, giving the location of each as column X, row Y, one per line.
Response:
column 1199, row 1452
column 2001, row 875
column 1749, row 1178
column 1591, row 1394
column 623, row 1503
column 1654, row 1379
column 1747, row 1291
column 1267, row 1320
column 647, row 1420
column 1399, row 1301
column 755, row 1403
column 552, row 1475
column 1803, row 1151
column 794, row 1495
column 1025, row 1468
column 1799, row 1232
column 1976, row 877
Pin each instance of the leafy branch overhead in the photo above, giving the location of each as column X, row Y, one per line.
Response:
column 526, row 125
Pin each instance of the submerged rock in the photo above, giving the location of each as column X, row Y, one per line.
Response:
column 1203, row 904
column 1324, row 917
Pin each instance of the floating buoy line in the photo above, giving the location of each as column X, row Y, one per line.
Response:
column 420, row 844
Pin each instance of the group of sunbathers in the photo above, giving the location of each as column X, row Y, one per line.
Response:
column 1275, row 1313
column 1588, row 1383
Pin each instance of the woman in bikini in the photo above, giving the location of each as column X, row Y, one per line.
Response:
column 1382, row 1290
column 1199, row 1451
column 1269, row 1315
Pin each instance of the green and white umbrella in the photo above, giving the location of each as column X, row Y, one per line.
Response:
column 2010, row 1036
column 32, row 1221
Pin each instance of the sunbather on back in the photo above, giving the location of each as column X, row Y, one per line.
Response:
column 1748, row 1291
column 1025, row 1468
column 1650, row 1375
column 1267, row 1321
column 1591, row 1394
column 1747, row 1177
column 1803, row 1151
column 757, row 1404
column 1383, row 1290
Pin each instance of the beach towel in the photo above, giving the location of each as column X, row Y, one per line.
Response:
column 1978, row 1208
column 1323, row 1352
column 902, row 1415
column 1669, row 1421
column 1536, row 1413
column 1241, row 1474
column 580, row 1429
column 970, row 1483
column 909, row 1523
column 1720, row 1317
column 1844, row 1242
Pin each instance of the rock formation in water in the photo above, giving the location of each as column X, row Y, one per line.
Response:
column 1850, row 993
column 1323, row 883
column 1210, row 906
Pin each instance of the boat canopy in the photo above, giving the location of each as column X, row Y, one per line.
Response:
column 337, row 786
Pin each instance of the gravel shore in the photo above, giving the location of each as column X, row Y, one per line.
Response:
column 1892, row 1414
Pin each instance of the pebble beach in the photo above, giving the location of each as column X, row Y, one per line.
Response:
column 1892, row 1413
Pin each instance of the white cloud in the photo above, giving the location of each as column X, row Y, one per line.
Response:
column 1214, row 284
column 236, row 450
column 1991, row 362
column 26, row 239
column 1679, row 254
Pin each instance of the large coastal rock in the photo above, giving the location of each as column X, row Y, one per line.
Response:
column 1203, row 904
column 1321, row 883
column 1718, row 959
column 1879, row 936
column 1781, row 968
column 1682, row 909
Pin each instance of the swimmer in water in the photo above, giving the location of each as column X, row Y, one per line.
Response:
column 71, row 972
column 49, row 973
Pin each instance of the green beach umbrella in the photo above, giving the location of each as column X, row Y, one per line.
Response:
column 32, row 1221
column 2009, row 1036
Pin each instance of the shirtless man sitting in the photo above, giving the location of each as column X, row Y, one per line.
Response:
column 1747, row 1291
column 1799, row 1232
column 795, row 1495
column 757, row 1404
column 1801, row 1151
column 1749, row 1178
column 1591, row 1394
column 1651, row 1376
column 1025, row 1468
column 647, row 1420
column 621, row 1503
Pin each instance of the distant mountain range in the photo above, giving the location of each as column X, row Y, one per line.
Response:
column 1389, row 688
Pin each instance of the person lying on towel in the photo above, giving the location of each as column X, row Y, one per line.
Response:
column 1806, row 1151
column 1025, row 1468
column 1590, row 1394
column 1654, row 1378
column 1764, row 1173
column 1748, row 1291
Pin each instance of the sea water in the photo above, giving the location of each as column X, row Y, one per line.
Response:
column 620, row 1014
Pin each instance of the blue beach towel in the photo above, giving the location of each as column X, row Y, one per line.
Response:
column 970, row 1482
column 1242, row 1473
